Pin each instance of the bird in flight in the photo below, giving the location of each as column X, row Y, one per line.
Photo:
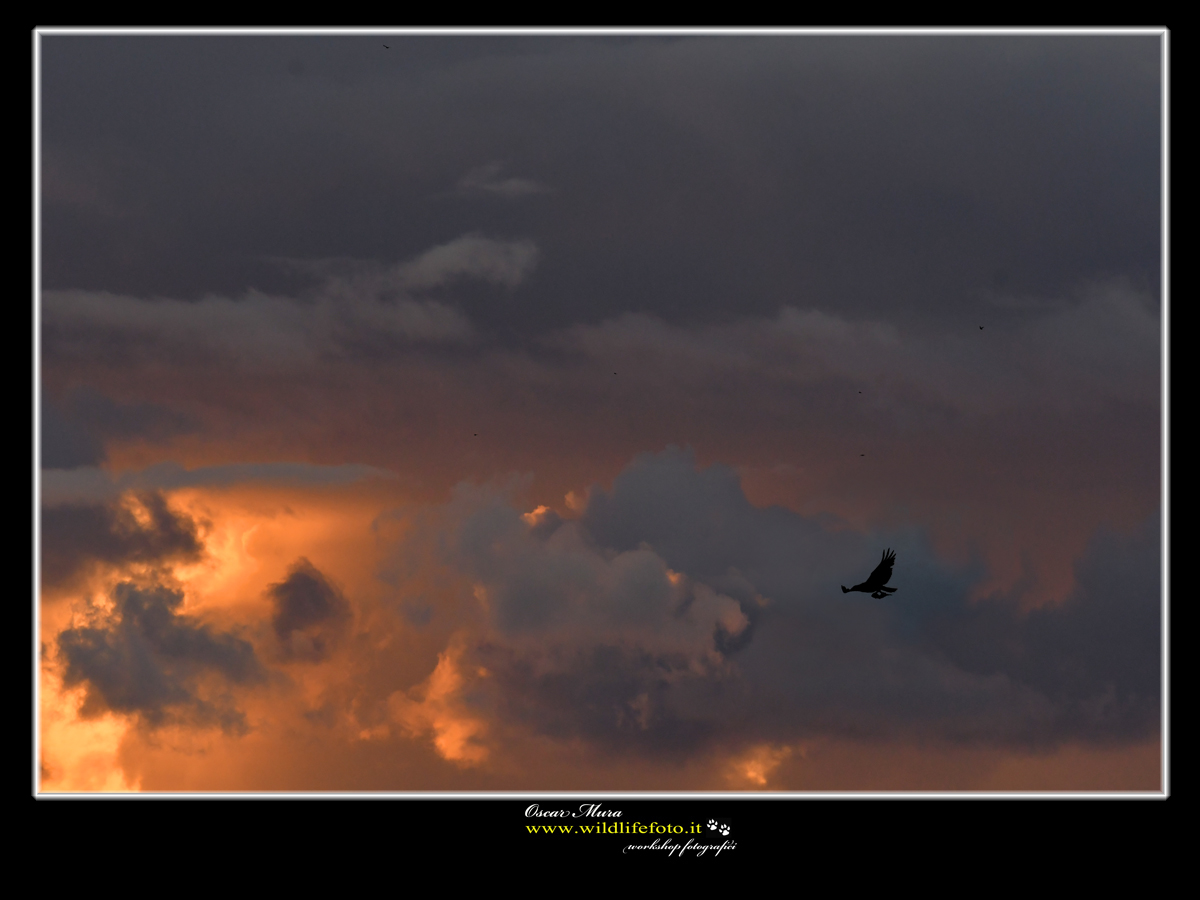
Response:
column 386, row 47
column 875, row 584
column 981, row 328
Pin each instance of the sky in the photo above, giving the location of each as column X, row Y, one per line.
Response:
column 506, row 412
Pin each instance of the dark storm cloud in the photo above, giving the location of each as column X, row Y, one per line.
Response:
column 256, row 329
column 147, row 659
column 900, row 176
column 109, row 418
column 138, row 530
column 310, row 614
column 1099, row 346
column 67, row 444
column 355, row 306
column 74, row 430
column 1098, row 657
column 674, row 614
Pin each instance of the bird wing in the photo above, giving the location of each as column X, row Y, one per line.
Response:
column 883, row 571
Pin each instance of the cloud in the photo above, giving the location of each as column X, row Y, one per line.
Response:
column 437, row 708
column 1098, row 656
column 74, row 430
column 871, row 174
column 258, row 329
column 469, row 257
column 1102, row 345
column 364, row 307
column 143, row 657
column 485, row 179
column 65, row 443
column 547, row 591
column 310, row 616
column 137, row 529
column 564, row 629
column 110, row 418
column 506, row 263
column 90, row 484
column 674, row 616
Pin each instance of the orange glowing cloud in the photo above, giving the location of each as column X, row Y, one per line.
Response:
column 79, row 755
column 250, row 535
column 437, row 707
column 754, row 768
column 442, row 602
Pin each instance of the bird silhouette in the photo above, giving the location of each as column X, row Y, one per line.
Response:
column 875, row 584
column 981, row 328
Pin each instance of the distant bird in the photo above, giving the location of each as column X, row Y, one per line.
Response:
column 981, row 328
column 875, row 584
column 386, row 47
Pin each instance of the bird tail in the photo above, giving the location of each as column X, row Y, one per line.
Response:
column 845, row 590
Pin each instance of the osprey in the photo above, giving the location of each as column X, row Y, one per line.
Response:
column 875, row 584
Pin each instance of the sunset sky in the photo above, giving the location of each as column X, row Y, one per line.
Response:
column 504, row 412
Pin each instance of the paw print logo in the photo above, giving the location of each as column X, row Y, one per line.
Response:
column 720, row 825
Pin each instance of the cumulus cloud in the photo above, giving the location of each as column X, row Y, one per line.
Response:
column 537, row 590
column 486, row 180
column 310, row 615
column 675, row 616
column 561, row 628
column 143, row 657
column 138, row 528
